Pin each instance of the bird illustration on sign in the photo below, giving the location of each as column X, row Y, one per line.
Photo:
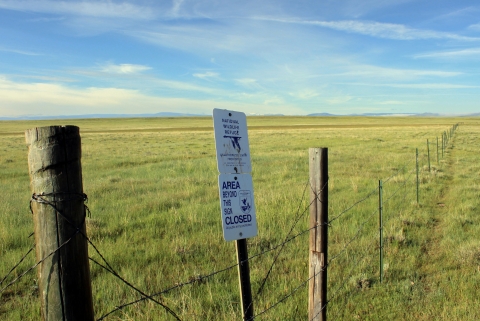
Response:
column 235, row 142
column 245, row 201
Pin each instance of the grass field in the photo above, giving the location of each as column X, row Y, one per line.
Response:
column 153, row 195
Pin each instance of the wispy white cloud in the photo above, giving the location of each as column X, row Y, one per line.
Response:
column 440, row 86
column 434, row 86
column 392, row 74
column 20, row 52
column 107, row 9
column 391, row 102
column 136, row 79
column 463, row 53
column 339, row 100
column 206, row 75
column 379, row 29
column 475, row 27
column 249, row 83
column 22, row 98
column 305, row 94
column 176, row 7
column 356, row 9
column 124, row 69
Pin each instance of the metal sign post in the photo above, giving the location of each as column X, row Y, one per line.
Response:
column 236, row 193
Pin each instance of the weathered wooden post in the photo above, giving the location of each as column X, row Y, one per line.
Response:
column 58, row 208
column 317, row 300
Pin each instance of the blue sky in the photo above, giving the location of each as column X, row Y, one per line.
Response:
column 260, row 57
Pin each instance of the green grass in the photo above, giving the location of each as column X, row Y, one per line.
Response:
column 152, row 188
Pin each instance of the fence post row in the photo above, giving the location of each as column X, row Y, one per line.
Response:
column 317, row 289
column 54, row 162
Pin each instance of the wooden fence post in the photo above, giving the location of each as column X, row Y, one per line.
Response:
column 54, row 162
column 317, row 308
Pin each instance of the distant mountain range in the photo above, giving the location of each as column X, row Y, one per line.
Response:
column 163, row 114
column 171, row 114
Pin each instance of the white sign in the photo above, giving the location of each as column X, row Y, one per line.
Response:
column 231, row 141
column 238, row 208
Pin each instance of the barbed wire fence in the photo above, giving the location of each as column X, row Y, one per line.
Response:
column 358, row 276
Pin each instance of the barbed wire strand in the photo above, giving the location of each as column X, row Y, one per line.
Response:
column 280, row 245
column 289, row 232
column 201, row 278
column 345, row 280
column 38, row 263
column 39, row 198
column 374, row 191
column 146, row 296
column 393, row 194
column 298, row 287
column 298, row 216
column 16, row 265
column 180, row 285
column 394, row 174
column 290, row 294
column 357, row 235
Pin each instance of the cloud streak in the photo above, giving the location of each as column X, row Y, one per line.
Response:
column 464, row 53
column 379, row 29
column 20, row 52
column 105, row 9
column 22, row 98
column 124, row 69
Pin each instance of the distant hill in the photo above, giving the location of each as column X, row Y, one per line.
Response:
column 162, row 114
column 321, row 114
column 173, row 114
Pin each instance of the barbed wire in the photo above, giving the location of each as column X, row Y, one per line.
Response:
column 345, row 280
column 201, row 278
column 40, row 198
column 291, row 293
column 38, row 263
column 374, row 191
column 357, row 235
column 395, row 174
column 16, row 265
column 297, row 218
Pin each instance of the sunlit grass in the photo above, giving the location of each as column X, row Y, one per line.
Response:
column 152, row 188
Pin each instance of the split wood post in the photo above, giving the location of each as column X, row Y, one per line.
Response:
column 317, row 290
column 54, row 162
